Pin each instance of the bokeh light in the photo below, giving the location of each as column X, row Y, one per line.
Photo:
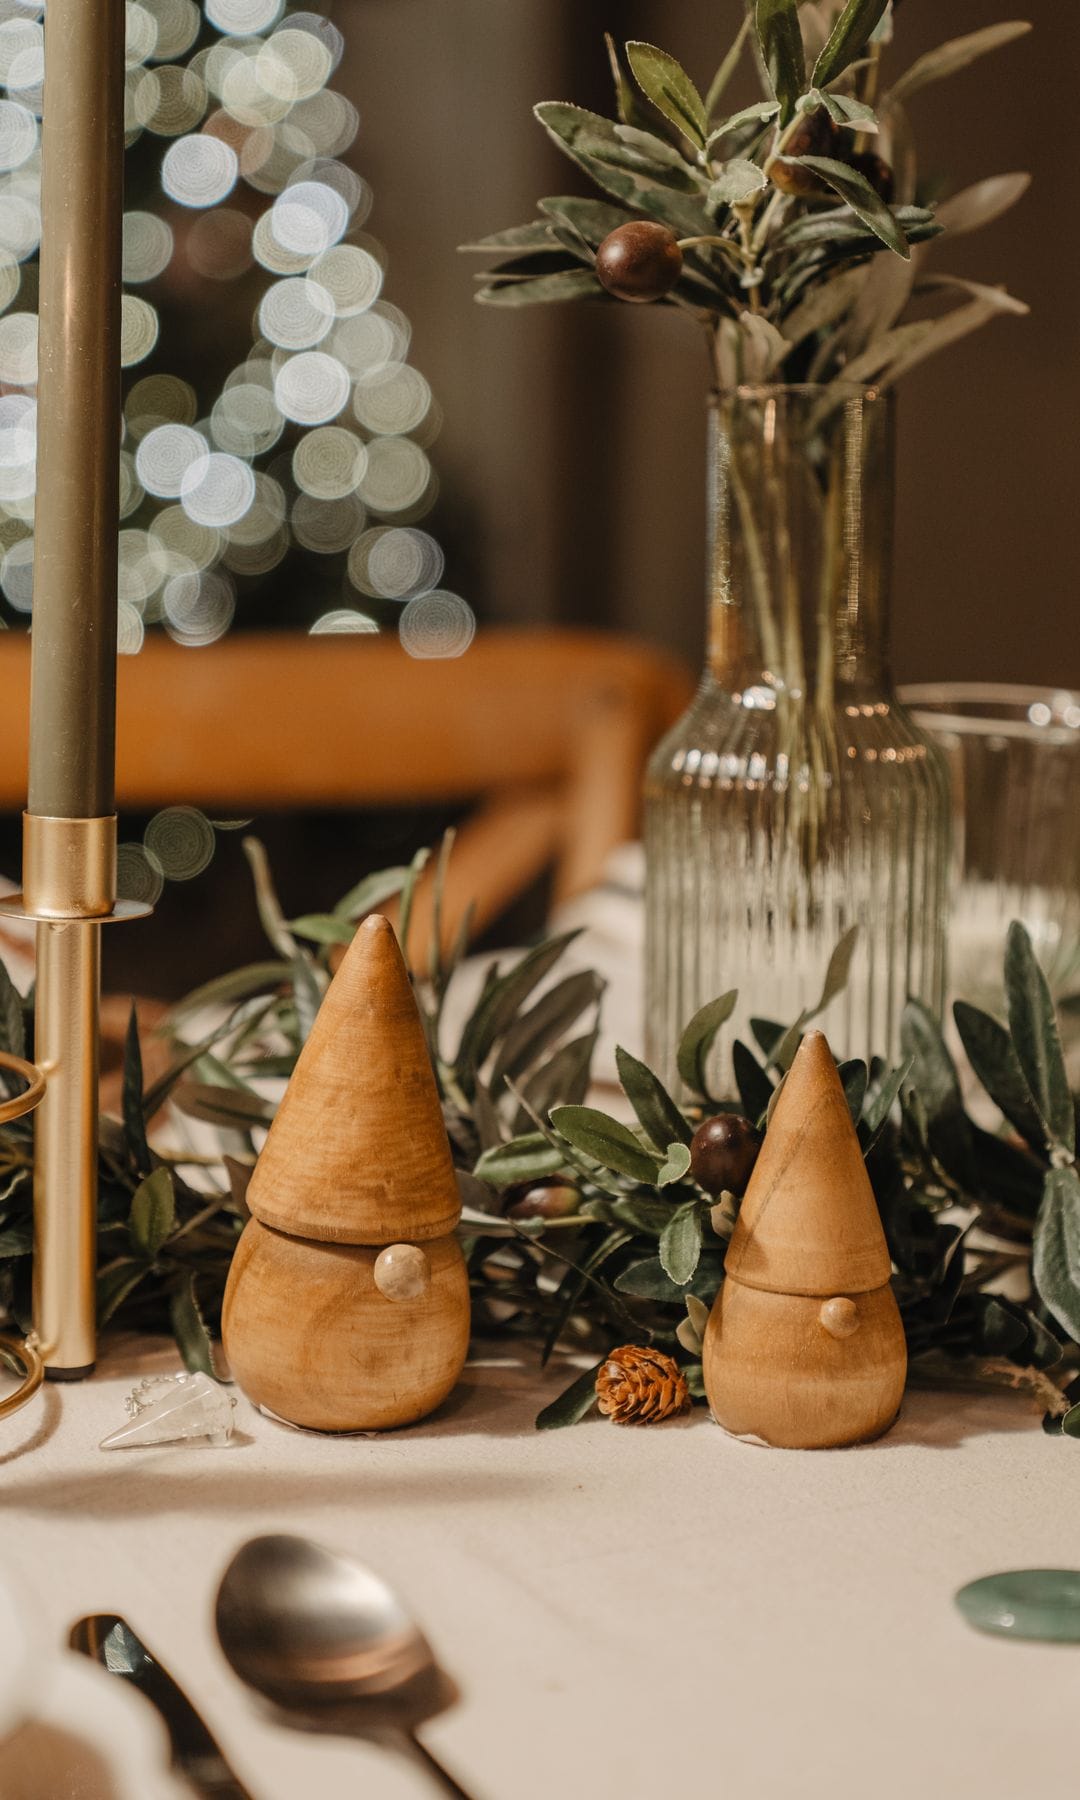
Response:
column 181, row 839
column 437, row 625
column 199, row 171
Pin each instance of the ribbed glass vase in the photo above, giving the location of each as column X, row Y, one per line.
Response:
column 796, row 797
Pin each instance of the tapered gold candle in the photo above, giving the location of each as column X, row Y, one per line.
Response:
column 73, row 633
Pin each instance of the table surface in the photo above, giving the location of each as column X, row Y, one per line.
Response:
column 628, row 1612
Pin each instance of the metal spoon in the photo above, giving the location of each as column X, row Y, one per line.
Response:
column 322, row 1636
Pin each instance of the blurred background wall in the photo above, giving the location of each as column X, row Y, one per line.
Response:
column 572, row 453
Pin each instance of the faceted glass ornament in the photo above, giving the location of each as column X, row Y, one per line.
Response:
column 796, row 797
column 174, row 1409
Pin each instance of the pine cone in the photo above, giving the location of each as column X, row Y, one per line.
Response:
column 641, row 1387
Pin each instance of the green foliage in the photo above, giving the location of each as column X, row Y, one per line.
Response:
column 782, row 208
column 635, row 1241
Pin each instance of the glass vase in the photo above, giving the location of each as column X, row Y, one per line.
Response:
column 796, row 797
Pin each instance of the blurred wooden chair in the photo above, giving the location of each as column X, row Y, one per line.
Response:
column 546, row 732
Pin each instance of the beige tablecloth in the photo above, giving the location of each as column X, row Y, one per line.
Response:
column 629, row 1613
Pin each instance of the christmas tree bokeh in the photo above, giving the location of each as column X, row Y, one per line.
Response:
column 274, row 463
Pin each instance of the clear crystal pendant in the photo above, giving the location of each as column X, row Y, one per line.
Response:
column 174, row 1409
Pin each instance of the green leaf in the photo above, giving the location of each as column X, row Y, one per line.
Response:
column 982, row 203
column 226, row 990
column 593, row 144
column 1070, row 1424
column 649, row 1280
column 231, row 1108
column 863, row 200
column 755, row 1088
column 533, row 1032
column 698, row 1039
column 956, row 54
column 738, row 182
column 536, row 235
column 660, row 1118
column 902, row 349
column 780, row 38
column 132, row 1098
column 990, row 1052
column 323, row 928
column 565, row 1080
column 373, row 891
column 189, row 1329
column 849, row 114
column 566, row 284
column 408, row 895
column 675, row 1166
column 721, row 81
column 836, row 980
column 115, row 1283
column 153, row 1213
column 573, row 1403
column 938, row 1089
column 12, row 1024
column 848, row 38
column 267, row 903
column 854, row 1076
column 642, row 1213
column 758, row 114
column 680, row 1243
column 594, row 220
column 502, row 998
column 670, row 89
column 606, row 1140
column 1035, row 1038
column 1056, row 1251
column 882, row 1102
column 526, row 1158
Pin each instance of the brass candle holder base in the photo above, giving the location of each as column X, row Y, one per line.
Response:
column 69, row 870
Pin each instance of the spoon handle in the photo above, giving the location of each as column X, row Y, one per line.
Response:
column 424, row 1757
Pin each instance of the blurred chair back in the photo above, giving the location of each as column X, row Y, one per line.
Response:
column 546, row 731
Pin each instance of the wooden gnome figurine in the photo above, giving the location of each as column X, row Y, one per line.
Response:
column 804, row 1348
column 347, row 1305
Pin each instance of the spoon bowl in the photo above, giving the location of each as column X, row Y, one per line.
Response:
column 306, row 1626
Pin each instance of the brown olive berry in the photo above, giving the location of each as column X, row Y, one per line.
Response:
column 639, row 262
column 723, row 1153
column 816, row 135
column 876, row 171
column 542, row 1200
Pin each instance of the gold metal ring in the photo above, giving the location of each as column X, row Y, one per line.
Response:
column 35, row 1089
column 24, row 1351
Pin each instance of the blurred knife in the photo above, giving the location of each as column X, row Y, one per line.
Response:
column 111, row 1642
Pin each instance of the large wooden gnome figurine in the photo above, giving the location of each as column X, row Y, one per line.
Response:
column 804, row 1348
column 347, row 1305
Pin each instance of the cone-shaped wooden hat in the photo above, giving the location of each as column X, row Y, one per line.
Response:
column 357, row 1153
column 809, row 1222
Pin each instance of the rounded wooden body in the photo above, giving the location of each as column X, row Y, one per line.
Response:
column 775, row 1370
column 310, row 1337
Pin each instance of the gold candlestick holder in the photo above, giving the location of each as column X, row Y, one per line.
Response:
column 69, row 893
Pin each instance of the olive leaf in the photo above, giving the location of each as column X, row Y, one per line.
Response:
column 501, row 1000
column 755, row 1088
column 131, row 1098
column 990, row 1051
column 1035, row 1037
column 848, row 38
column 592, row 143
column 680, row 1243
column 647, row 1279
column 660, row 1118
column 739, row 182
column 567, row 284
column 698, row 1039
column 666, row 83
column 153, row 1211
column 593, row 219
column 982, row 203
column 189, row 1328
column 527, row 1158
column 675, row 1166
column 721, row 81
column 573, row 1403
column 1056, row 1249
column 758, row 114
column 863, row 200
column 780, row 39
column 938, row 1085
column 385, row 884
column 956, row 54
column 606, row 1140
column 836, row 980
column 12, row 1025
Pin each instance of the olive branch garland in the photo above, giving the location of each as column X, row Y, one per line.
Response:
column 579, row 1230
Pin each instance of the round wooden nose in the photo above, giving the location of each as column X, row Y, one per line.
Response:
column 402, row 1272
column 840, row 1316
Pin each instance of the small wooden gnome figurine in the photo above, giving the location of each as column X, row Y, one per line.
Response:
column 804, row 1348
column 347, row 1305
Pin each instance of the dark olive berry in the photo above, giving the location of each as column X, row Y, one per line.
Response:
column 639, row 262
column 542, row 1200
column 816, row 135
column 723, row 1153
